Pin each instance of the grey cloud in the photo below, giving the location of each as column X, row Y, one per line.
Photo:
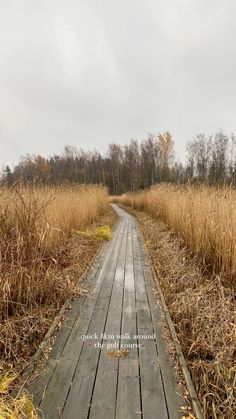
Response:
column 88, row 73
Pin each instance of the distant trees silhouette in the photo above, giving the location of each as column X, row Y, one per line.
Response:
column 134, row 166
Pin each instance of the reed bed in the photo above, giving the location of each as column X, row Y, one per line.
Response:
column 204, row 217
column 190, row 233
column 35, row 225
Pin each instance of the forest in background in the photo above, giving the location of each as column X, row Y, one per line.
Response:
column 134, row 166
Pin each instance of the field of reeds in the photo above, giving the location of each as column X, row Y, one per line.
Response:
column 204, row 217
column 36, row 224
column 191, row 236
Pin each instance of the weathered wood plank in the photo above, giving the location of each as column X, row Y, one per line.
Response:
column 128, row 391
column 38, row 387
column 153, row 396
column 59, row 385
column 172, row 392
column 80, row 394
column 104, row 395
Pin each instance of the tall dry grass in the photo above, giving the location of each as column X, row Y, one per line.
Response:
column 204, row 217
column 35, row 223
column 199, row 286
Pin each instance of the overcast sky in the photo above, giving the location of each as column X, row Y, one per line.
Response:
column 91, row 72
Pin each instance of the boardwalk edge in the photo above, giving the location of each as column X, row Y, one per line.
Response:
column 29, row 369
column 182, row 362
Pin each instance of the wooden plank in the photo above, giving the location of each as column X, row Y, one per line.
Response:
column 104, row 395
column 38, row 387
column 80, row 395
column 56, row 393
column 153, row 396
column 128, row 391
column 172, row 395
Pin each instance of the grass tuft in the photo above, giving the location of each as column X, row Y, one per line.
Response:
column 14, row 408
column 103, row 233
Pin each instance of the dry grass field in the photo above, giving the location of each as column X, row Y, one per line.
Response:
column 33, row 225
column 191, row 235
column 204, row 217
column 36, row 225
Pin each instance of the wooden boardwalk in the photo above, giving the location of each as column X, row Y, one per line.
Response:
column 81, row 381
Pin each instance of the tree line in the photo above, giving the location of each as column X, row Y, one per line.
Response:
column 136, row 165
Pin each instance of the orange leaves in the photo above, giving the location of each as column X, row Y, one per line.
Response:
column 118, row 353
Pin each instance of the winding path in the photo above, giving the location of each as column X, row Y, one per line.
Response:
column 84, row 377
